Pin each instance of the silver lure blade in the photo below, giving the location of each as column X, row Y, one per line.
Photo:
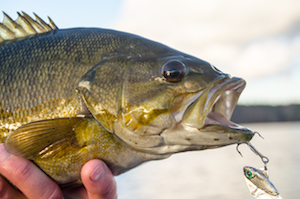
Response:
column 259, row 184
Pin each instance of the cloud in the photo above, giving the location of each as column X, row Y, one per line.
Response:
column 282, row 88
column 208, row 22
column 262, row 58
column 242, row 37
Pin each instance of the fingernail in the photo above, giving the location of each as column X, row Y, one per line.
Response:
column 98, row 174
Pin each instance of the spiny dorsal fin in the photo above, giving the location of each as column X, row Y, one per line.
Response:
column 23, row 26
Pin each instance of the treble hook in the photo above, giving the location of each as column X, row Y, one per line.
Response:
column 237, row 149
column 264, row 159
column 255, row 132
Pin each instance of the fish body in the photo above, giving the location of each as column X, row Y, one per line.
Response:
column 259, row 184
column 71, row 95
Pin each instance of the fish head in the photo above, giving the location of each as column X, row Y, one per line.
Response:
column 164, row 101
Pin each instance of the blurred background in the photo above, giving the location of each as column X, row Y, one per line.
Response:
column 257, row 40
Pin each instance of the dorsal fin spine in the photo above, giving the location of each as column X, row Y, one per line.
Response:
column 52, row 24
column 36, row 26
column 6, row 33
column 13, row 26
column 23, row 26
column 41, row 21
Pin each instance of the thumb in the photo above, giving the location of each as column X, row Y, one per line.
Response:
column 98, row 180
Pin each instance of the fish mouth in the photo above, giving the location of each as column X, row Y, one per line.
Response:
column 205, row 122
column 215, row 105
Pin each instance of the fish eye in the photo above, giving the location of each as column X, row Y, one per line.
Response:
column 249, row 174
column 174, row 71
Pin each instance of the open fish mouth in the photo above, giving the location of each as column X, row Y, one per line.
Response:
column 215, row 105
column 205, row 122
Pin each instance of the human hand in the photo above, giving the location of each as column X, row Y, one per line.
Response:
column 34, row 183
column 98, row 181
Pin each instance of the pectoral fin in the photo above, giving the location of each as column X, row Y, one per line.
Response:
column 46, row 138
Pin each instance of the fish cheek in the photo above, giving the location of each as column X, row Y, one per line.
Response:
column 142, row 129
column 101, row 89
column 135, row 140
column 97, row 109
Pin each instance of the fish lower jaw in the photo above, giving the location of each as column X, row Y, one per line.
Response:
column 214, row 118
column 218, row 122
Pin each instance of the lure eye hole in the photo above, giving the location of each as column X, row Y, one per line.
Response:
column 174, row 71
column 249, row 174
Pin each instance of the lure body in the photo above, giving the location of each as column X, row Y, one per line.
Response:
column 259, row 184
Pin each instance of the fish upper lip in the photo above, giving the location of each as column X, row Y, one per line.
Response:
column 218, row 105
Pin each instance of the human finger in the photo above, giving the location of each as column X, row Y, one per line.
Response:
column 7, row 191
column 29, row 179
column 98, row 180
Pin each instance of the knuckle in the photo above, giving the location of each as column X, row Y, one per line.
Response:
column 23, row 172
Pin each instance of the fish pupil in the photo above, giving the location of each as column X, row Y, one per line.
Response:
column 249, row 174
column 174, row 71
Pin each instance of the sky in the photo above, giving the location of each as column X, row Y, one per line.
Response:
column 258, row 40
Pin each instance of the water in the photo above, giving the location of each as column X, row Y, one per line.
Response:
column 218, row 173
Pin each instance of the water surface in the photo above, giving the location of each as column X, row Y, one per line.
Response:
column 218, row 173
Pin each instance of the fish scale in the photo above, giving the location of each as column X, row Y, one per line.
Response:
column 34, row 52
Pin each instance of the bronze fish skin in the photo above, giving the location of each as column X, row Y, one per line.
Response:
column 71, row 95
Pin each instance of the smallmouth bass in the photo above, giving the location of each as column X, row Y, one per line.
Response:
column 71, row 95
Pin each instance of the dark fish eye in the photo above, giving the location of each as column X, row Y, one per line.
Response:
column 173, row 71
